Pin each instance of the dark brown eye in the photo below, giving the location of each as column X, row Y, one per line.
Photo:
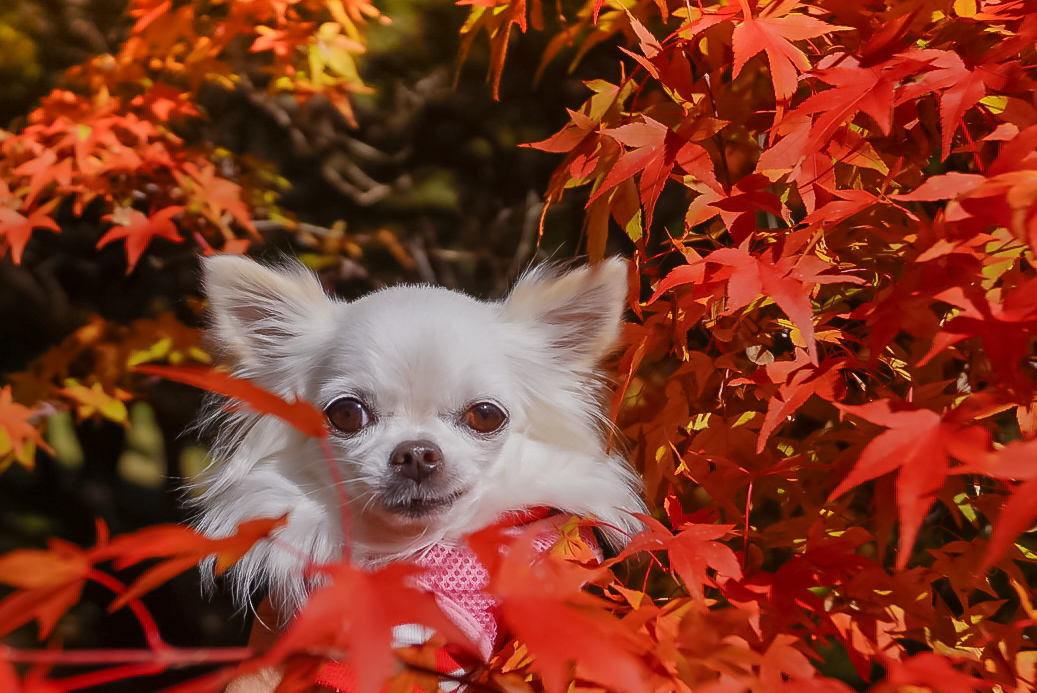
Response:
column 484, row 417
column 348, row 415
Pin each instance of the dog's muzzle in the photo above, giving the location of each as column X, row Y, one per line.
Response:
column 419, row 486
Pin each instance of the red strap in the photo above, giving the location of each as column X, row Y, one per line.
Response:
column 341, row 677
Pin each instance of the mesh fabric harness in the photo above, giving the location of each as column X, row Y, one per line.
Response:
column 457, row 579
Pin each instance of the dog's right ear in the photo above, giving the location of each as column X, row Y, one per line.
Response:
column 579, row 311
column 260, row 316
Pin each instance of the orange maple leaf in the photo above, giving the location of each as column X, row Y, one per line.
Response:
column 88, row 139
column 18, row 437
column 926, row 670
column 49, row 582
column 139, row 230
column 44, row 170
column 182, row 548
column 496, row 17
column 94, row 402
column 213, row 195
column 17, row 229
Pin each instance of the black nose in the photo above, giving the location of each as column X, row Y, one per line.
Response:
column 416, row 459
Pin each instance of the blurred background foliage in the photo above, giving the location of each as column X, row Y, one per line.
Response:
column 429, row 187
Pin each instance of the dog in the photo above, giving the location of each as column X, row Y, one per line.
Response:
column 445, row 413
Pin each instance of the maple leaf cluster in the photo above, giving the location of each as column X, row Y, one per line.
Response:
column 91, row 374
column 112, row 136
column 830, row 204
column 828, row 381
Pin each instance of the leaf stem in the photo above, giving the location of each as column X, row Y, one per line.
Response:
column 343, row 499
column 166, row 656
column 745, row 533
column 103, row 676
column 144, row 617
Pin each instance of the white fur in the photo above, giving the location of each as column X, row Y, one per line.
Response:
column 419, row 356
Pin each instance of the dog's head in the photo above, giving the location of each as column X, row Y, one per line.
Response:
column 444, row 411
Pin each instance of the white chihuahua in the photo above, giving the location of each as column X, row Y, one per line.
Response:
column 446, row 413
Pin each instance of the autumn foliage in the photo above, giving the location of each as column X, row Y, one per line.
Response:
column 828, row 380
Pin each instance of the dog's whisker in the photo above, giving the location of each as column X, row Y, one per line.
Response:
column 367, row 506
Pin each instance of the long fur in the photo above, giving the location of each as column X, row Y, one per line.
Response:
column 419, row 355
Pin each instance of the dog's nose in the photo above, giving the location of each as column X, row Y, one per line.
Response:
column 416, row 459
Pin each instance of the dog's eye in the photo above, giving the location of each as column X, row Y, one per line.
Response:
column 484, row 417
column 348, row 415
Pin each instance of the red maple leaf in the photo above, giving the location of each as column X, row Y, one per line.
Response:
column 352, row 618
column 1018, row 515
column 944, row 187
column 48, row 584
column 774, row 35
column 925, row 670
column 801, row 381
column 813, row 171
column 9, row 680
column 771, row 32
column 855, row 88
column 738, row 206
column 653, row 151
column 182, row 548
column 918, row 445
column 959, row 87
column 787, row 282
column 783, row 664
column 846, row 204
column 18, row 437
column 790, row 595
column 139, row 230
column 1007, row 329
column 16, row 229
column 300, row 413
column 694, row 551
column 1008, row 198
column 545, row 606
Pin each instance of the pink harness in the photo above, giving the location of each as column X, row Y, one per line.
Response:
column 457, row 579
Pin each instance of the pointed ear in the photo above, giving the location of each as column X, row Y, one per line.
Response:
column 580, row 310
column 259, row 315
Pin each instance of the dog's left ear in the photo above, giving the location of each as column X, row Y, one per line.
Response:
column 581, row 310
column 262, row 319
